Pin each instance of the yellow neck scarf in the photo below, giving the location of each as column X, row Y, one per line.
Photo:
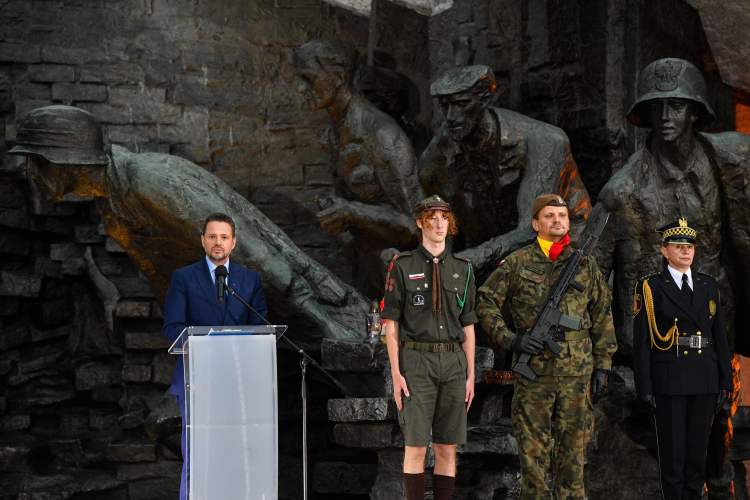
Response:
column 546, row 245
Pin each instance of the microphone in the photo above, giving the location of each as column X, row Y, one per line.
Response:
column 221, row 276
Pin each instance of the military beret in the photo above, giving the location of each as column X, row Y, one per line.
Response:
column 434, row 202
column 546, row 200
column 678, row 232
column 461, row 79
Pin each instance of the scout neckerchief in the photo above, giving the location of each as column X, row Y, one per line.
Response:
column 437, row 295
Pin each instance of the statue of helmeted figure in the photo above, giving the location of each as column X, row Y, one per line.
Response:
column 680, row 173
column 373, row 163
column 153, row 205
column 491, row 163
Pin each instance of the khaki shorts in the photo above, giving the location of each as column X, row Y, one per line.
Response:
column 437, row 390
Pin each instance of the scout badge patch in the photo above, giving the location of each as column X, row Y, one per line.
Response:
column 638, row 302
column 417, row 299
column 712, row 307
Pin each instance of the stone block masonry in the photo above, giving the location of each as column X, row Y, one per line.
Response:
column 213, row 83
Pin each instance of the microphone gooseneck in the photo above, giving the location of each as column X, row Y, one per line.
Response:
column 221, row 276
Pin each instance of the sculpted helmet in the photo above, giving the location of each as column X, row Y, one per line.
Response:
column 62, row 135
column 671, row 78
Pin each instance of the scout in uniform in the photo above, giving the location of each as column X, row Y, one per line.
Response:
column 567, row 384
column 429, row 313
column 681, row 361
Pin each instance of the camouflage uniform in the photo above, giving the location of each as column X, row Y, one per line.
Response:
column 562, row 385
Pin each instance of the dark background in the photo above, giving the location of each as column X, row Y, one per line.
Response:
column 213, row 82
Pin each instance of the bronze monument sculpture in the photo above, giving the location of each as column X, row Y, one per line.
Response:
column 680, row 173
column 372, row 160
column 153, row 205
column 488, row 161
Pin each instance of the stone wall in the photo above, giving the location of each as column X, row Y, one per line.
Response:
column 209, row 81
column 212, row 82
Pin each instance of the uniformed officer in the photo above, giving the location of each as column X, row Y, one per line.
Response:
column 564, row 382
column 429, row 313
column 681, row 360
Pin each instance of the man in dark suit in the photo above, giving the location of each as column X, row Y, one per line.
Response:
column 192, row 300
column 681, row 361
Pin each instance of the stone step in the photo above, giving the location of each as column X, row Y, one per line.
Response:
column 362, row 409
column 353, row 355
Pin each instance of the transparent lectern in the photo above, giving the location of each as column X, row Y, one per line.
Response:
column 230, row 411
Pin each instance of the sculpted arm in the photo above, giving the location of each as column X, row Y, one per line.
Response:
column 605, row 248
column 603, row 327
column 393, row 162
column 492, row 251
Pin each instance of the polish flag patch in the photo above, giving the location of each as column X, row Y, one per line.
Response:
column 416, row 276
column 501, row 262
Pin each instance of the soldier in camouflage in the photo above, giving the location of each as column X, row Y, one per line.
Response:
column 567, row 384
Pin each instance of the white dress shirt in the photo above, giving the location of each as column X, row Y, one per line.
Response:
column 677, row 275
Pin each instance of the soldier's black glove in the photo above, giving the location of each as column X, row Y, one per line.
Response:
column 528, row 344
column 598, row 384
column 649, row 401
column 720, row 400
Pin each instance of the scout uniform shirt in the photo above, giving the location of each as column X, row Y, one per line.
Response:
column 524, row 280
column 408, row 297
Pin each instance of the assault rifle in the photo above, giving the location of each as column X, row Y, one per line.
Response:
column 549, row 319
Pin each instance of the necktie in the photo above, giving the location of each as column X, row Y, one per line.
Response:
column 686, row 291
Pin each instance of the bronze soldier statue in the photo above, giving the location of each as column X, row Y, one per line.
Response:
column 372, row 160
column 680, row 171
column 153, row 206
column 491, row 163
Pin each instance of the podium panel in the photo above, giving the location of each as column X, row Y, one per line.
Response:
column 232, row 417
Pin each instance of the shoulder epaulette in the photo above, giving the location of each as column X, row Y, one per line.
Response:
column 706, row 274
column 402, row 254
column 649, row 276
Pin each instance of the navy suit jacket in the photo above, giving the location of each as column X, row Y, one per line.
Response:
column 192, row 301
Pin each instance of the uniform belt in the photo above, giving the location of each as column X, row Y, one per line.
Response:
column 423, row 346
column 560, row 335
column 696, row 342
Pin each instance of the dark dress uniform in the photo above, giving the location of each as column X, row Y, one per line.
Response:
column 681, row 356
column 430, row 355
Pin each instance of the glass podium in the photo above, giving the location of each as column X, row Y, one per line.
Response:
column 230, row 411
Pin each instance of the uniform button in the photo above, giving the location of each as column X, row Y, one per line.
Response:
column 417, row 288
column 698, row 333
column 684, row 334
column 441, row 327
column 699, row 351
column 685, row 353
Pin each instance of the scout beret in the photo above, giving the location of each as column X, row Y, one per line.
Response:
column 434, row 202
column 462, row 79
column 678, row 232
column 546, row 200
